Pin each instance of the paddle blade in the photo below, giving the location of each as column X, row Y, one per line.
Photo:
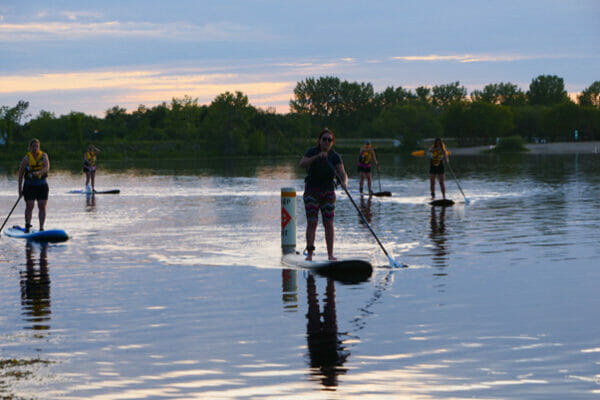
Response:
column 396, row 264
column 418, row 153
column 467, row 201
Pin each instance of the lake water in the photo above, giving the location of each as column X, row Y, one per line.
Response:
column 174, row 289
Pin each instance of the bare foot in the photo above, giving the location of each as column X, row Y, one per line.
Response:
column 332, row 258
column 309, row 257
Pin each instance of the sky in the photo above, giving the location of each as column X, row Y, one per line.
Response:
column 89, row 56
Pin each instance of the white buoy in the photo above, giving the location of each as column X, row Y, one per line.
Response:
column 288, row 220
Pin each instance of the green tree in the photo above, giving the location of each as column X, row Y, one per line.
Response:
column 591, row 96
column 12, row 119
column 423, row 95
column 76, row 127
column 506, row 94
column 477, row 123
column 115, row 122
column 445, row 95
column 547, row 90
column 561, row 120
column 409, row 123
column 228, row 123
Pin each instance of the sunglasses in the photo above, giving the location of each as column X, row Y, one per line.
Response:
column 326, row 139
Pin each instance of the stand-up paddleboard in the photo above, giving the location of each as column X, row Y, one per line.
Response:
column 442, row 202
column 52, row 235
column 345, row 270
column 382, row 194
column 112, row 191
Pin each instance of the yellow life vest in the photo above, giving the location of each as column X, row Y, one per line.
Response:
column 36, row 164
column 437, row 155
column 91, row 158
column 365, row 157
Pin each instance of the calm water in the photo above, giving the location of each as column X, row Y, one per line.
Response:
column 174, row 289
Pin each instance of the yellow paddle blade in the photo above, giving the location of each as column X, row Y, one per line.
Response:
column 418, row 153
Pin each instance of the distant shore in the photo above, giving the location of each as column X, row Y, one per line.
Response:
column 546, row 148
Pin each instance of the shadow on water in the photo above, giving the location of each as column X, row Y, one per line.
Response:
column 35, row 289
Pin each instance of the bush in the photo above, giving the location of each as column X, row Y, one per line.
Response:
column 510, row 144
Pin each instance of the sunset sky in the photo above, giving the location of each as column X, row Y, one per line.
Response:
column 89, row 56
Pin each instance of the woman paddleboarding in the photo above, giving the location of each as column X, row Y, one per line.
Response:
column 33, row 185
column 439, row 155
column 322, row 165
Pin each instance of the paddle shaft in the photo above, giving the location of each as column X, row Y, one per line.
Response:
column 378, row 177
column 10, row 213
column 456, row 180
column 394, row 263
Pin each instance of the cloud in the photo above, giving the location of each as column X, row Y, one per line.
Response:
column 72, row 30
column 471, row 58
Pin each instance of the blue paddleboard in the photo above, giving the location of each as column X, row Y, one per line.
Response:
column 52, row 235
column 112, row 191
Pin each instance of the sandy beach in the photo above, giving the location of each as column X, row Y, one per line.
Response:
column 546, row 148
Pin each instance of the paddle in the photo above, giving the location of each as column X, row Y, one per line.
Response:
column 457, row 184
column 392, row 261
column 381, row 193
column 10, row 213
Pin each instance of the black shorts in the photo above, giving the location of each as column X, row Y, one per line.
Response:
column 364, row 169
column 35, row 192
column 436, row 170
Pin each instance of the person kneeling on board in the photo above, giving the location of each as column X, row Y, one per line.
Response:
column 322, row 165
column 34, row 171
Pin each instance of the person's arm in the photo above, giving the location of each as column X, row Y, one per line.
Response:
column 342, row 176
column 306, row 161
column 22, row 170
column 374, row 157
column 46, row 167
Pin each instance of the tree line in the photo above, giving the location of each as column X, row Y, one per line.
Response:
column 230, row 125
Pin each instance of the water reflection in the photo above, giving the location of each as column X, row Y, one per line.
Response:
column 365, row 208
column 35, row 288
column 90, row 202
column 289, row 286
column 325, row 350
column 438, row 237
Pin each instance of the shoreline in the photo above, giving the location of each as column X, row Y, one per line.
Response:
column 592, row 147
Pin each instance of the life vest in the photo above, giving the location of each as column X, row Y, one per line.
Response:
column 437, row 155
column 90, row 159
column 364, row 157
column 36, row 164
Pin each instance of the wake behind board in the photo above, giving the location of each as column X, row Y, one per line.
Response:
column 442, row 202
column 52, row 235
column 344, row 270
column 112, row 191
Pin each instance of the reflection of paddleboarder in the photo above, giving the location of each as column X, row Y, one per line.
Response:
column 35, row 289
column 325, row 350
column 439, row 155
column 438, row 235
column 365, row 208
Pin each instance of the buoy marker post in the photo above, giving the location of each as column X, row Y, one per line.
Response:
column 288, row 220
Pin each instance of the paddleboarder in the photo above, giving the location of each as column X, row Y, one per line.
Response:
column 322, row 165
column 33, row 185
column 439, row 155
column 89, row 167
column 365, row 156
